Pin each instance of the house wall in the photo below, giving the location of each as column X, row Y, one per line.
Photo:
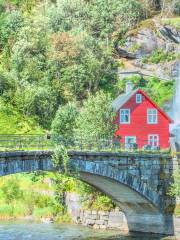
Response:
column 138, row 124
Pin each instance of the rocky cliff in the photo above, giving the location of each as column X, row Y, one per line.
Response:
column 153, row 49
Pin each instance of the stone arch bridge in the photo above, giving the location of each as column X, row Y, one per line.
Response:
column 137, row 182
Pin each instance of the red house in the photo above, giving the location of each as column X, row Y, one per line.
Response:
column 141, row 123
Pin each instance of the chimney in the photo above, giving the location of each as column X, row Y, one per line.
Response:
column 129, row 87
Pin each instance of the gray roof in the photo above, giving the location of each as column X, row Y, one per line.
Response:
column 122, row 99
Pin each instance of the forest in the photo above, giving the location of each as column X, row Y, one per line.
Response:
column 58, row 59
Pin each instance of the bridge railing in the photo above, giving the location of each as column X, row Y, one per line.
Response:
column 11, row 142
column 47, row 142
column 24, row 142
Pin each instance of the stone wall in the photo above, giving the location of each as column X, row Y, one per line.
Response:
column 114, row 219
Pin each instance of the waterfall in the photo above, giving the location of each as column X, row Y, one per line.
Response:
column 175, row 127
column 176, row 102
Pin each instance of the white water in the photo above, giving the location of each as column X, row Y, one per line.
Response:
column 176, row 102
column 175, row 127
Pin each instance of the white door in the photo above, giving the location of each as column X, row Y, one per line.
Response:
column 153, row 140
column 129, row 141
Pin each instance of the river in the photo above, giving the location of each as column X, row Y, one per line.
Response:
column 25, row 230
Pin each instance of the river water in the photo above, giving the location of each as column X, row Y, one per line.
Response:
column 25, row 230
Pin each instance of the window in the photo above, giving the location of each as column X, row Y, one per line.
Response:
column 138, row 98
column 124, row 115
column 153, row 140
column 129, row 140
column 152, row 117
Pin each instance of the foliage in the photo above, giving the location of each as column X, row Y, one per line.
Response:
column 175, row 186
column 11, row 24
column 96, row 117
column 93, row 199
column 37, row 101
column 160, row 56
column 177, row 210
column 136, row 80
column 65, row 121
column 11, row 191
column 99, row 17
column 152, row 85
column 61, row 158
column 16, row 122
column 172, row 21
column 103, row 202
column 83, row 63
column 163, row 89
column 20, row 196
column 39, row 199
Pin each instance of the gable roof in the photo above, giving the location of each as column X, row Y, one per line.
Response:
column 123, row 98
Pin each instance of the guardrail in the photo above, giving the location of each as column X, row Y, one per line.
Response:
column 27, row 142
column 12, row 142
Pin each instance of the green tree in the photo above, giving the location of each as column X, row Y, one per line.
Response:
column 10, row 26
column 38, row 101
column 83, row 64
column 64, row 122
column 96, row 117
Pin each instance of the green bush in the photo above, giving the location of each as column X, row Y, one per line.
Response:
column 160, row 56
column 11, row 190
column 65, row 218
column 175, row 186
column 43, row 212
column 6, row 211
column 103, row 203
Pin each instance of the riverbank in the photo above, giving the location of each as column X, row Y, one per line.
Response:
column 43, row 197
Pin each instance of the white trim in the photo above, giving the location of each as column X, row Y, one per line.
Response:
column 129, row 115
column 152, row 115
column 127, row 137
column 138, row 98
column 129, row 145
column 149, row 141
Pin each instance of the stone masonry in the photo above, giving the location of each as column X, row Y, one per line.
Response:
column 137, row 182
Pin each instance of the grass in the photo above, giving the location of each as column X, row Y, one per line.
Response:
column 27, row 194
column 146, row 24
column 175, row 22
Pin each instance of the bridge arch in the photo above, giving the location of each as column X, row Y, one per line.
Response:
column 131, row 180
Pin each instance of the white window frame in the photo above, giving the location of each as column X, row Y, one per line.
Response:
column 127, row 137
column 149, row 141
column 152, row 115
column 138, row 98
column 121, row 113
column 128, row 145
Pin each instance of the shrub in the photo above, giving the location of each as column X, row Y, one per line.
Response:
column 160, row 56
column 103, row 203
column 43, row 212
column 6, row 211
column 11, row 190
